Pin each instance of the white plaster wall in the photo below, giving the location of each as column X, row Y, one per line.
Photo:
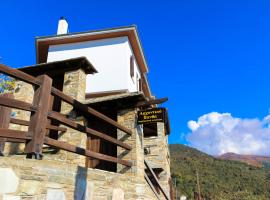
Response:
column 133, row 83
column 109, row 56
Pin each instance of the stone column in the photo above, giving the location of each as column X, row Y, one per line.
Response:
column 136, row 155
column 164, row 162
column 74, row 85
column 23, row 92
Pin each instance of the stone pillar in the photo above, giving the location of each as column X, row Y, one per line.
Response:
column 136, row 155
column 74, row 85
column 23, row 92
column 164, row 162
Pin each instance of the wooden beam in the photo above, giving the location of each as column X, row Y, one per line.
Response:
column 38, row 119
column 13, row 103
column 71, row 148
column 79, row 127
column 151, row 102
column 5, row 113
column 56, row 128
column 19, row 75
column 156, row 179
column 103, row 94
column 151, row 186
column 26, row 123
column 19, row 122
column 9, row 133
column 88, row 110
column 16, row 140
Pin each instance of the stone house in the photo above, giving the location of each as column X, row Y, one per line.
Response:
column 104, row 70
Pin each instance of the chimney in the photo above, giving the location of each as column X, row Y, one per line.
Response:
column 62, row 26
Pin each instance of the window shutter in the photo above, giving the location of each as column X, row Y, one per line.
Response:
column 140, row 84
column 131, row 66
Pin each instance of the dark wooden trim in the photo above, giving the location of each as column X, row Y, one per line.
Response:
column 71, row 148
column 104, row 94
column 5, row 113
column 38, row 119
column 79, row 127
column 87, row 110
column 156, row 179
column 60, row 67
column 151, row 102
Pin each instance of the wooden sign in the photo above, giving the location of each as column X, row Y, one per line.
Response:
column 151, row 116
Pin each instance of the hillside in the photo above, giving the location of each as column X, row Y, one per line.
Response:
column 257, row 161
column 219, row 179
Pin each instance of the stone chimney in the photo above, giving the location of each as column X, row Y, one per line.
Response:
column 62, row 26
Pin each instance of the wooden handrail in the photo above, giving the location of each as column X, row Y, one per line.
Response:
column 19, row 75
column 26, row 123
column 21, row 136
column 156, row 179
column 9, row 133
column 70, row 123
column 71, row 148
column 13, row 103
column 76, row 104
column 88, row 110
column 36, row 135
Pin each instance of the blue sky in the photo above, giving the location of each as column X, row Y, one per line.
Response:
column 204, row 55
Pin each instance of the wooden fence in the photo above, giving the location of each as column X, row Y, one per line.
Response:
column 40, row 118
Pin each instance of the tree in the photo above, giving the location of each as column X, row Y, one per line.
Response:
column 7, row 84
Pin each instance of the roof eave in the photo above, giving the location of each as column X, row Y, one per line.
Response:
column 96, row 32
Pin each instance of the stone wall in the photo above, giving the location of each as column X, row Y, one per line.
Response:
column 23, row 92
column 159, row 156
column 24, row 179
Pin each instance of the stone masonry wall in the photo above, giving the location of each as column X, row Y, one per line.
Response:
column 24, row 179
column 159, row 156
column 74, row 85
column 23, row 92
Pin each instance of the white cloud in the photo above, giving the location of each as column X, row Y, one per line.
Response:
column 218, row 133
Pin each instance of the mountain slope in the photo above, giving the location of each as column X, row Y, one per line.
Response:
column 257, row 161
column 219, row 179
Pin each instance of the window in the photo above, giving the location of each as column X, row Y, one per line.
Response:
column 131, row 65
column 150, row 130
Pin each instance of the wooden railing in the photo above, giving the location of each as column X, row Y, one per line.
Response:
column 40, row 117
column 153, row 182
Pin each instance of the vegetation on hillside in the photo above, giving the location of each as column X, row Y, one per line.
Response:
column 219, row 179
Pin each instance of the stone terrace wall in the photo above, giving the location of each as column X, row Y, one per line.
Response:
column 22, row 178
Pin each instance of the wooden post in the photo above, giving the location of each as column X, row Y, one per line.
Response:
column 38, row 119
column 5, row 113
